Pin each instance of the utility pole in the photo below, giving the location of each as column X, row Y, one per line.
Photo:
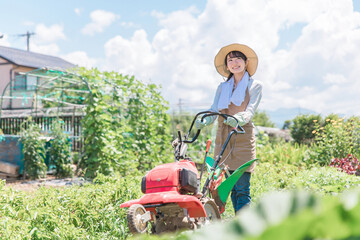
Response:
column 180, row 104
column 27, row 35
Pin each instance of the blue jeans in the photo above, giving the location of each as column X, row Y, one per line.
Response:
column 240, row 194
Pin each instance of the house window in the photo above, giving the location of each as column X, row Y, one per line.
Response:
column 19, row 82
column 31, row 82
column 24, row 82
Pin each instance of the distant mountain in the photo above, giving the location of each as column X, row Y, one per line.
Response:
column 280, row 115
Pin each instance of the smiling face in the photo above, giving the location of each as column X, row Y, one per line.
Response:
column 236, row 62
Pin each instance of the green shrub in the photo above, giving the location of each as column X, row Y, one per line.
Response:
column 60, row 150
column 33, row 150
column 336, row 139
column 302, row 128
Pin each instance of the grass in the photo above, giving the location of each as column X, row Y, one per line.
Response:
column 78, row 212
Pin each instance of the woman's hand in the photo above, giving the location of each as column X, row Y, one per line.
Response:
column 232, row 122
column 201, row 124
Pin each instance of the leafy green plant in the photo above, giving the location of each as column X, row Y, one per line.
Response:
column 281, row 152
column 33, row 150
column 60, row 150
column 90, row 211
column 336, row 139
column 279, row 176
column 125, row 127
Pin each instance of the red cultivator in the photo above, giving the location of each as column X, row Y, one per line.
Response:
column 172, row 198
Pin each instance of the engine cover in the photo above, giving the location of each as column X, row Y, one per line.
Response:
column 180, row 176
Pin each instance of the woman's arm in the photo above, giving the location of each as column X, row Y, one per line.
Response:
column 255, row 97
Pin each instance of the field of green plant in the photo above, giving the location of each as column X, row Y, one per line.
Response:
column 92, row 211
column 304, row 189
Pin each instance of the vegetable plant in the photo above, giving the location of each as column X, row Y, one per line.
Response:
column 59, row 151
column 33, row 150
column 125, row 126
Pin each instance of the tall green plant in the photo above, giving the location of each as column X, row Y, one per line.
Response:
column 60, row 150
column 282, row 152
column 336, row 139
column 33, row 150
column 125, row 127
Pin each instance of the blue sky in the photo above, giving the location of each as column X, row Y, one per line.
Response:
column 308, row 49
column 74, row 15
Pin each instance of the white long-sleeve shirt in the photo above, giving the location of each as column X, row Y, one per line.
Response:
column 255, row 92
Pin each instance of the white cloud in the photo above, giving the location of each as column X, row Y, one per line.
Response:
column 100, row 19
column 336, row 79
column 78, row 11
column 48, row 49
column 81, row 59
column 319, row 70
column 50, row 34
column 134, row 56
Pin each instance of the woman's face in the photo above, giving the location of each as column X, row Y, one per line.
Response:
column 235, row 64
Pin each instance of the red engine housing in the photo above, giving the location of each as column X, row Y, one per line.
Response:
column 170, row 183
column 179, row 176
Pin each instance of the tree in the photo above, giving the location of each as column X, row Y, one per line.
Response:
column 287, row 124
column 303, row 126
column 262, row 119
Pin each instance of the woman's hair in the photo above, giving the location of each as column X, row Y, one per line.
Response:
column 234, row 54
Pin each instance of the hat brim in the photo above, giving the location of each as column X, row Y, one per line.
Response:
column 219, row 60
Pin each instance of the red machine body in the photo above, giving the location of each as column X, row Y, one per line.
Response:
column 170, row 183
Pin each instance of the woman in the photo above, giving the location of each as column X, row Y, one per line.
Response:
column 238, row 96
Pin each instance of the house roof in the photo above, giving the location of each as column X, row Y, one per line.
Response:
column 33, row 60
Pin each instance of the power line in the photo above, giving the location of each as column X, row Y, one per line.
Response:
column 27, row 35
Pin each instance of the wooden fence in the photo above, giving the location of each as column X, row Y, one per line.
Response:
column 72, row 126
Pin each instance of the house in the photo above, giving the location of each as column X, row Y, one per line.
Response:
column 21, row 74
column 274, row 133
column 18, row 88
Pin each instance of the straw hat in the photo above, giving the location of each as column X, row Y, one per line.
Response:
column 248, row 52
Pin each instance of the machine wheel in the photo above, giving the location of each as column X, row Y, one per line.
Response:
column 135, row 223
column 212, row 210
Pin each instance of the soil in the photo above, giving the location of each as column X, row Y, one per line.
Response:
column 49, row 181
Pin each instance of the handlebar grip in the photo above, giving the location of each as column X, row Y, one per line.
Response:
column 240, row 129
column 208, row 143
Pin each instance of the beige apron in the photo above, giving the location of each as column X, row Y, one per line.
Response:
column 245, row 148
